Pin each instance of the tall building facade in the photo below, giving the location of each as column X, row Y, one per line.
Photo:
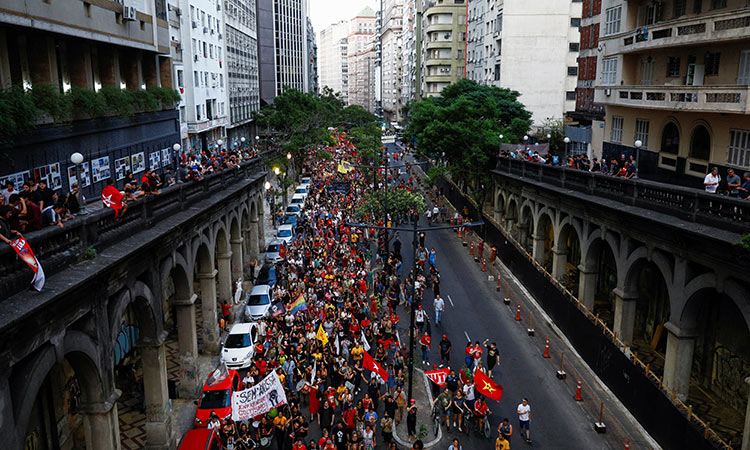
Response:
column 361, row 55
column 312, row 59
column 516, row 43
column 443, row 45
column 673, row 76
column 409, row 60
column 206, row 108
column 392, row 59
column 241, row 69
column 282, row 47
column 333, row 59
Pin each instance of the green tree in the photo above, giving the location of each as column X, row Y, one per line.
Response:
column 556, row 130
column 396, row 202
column 464, row 123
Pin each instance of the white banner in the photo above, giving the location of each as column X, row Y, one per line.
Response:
column 258, row 399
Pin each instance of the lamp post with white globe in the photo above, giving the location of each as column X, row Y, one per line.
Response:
column 257, row 142
column 638, row 145
column 567, row 141
column 77, row 159
column 500, row 147
column 526, row 141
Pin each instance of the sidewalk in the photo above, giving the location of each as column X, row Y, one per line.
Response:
column 425, row 428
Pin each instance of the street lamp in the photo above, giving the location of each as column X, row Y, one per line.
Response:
column 77, row 159
column 549, row 136
column 525, row 141
column 269, row 187
column 638, row 145
column 567, row 141
column 288, row 156
column 276, row 170
column 500, row 146
column 176, row 147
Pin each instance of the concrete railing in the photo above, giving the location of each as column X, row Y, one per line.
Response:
column 83, row 237
column 687, row 204
column 706, row 98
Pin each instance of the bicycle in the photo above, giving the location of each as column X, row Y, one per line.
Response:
column 470, row 424
column 435, row 418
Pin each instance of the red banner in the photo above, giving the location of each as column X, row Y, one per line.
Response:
column 437, row 376
column 112, row 198
column 21, row 246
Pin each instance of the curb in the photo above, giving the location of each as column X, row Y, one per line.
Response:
column 439, row 437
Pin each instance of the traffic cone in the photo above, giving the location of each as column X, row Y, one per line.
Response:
column 578, row 391
column 484, row 265
column 518, row 313
column 459, row 232
column 498, row 283
column 546, row 348
column 471, row 249
column 481, row 247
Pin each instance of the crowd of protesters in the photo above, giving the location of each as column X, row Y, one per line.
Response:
column 353, row 283
column 37, row 205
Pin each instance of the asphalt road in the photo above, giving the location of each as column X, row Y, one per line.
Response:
column 474, row 311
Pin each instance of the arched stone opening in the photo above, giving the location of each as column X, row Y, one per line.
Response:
column 205, row 285
column 253, row 234
column 499, row 211
column 544, row 241
column 235, row 241
column 526, row 228
column 180, row 322
column 566, row 256
column 700, row 143
column 670, row 139
column 598, row 279
column 223, row 261
column 511, row 219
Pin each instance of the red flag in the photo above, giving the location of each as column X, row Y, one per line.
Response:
column 373, row 366
column 485, row 386
column 282, row 250
column 22, row 247
column 437, row 376
column 112, row 198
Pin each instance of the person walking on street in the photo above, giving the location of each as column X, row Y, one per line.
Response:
column 505, row 429
column 426, row 344
column 445, row 351
column 420, row 316
column 411, row 419
column 493, row 357
column 524, row 418
column 439, row 309
column 455, row 445
column 432, row 257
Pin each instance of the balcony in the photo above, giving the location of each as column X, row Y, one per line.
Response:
column 718, row 99
column 721, row 27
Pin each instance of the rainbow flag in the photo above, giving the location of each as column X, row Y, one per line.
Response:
column 298, row 305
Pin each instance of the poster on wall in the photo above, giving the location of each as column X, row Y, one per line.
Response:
column 85, row 178
column 154, row 160
column 17, row 178
column 100, row 168
column 122, row 167
column 51, row 174
column 138, row 162
column 166, row 158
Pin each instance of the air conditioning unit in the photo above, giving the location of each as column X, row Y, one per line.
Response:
column 128, row 13
column 178, row 11
column 607, row 92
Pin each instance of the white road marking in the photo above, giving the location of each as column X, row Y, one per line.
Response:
column 451, row 300
column 467, row 336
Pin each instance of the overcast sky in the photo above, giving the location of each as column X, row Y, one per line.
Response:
column 326, row 12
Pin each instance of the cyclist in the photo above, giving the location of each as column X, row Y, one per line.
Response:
column 444, row 402
column 480, row 410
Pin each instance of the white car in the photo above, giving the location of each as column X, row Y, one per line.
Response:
column 299, row 200
column 258, row 303
column 293, row 209
column 238, row 349
column 305, row 180
column 302, row 190
column 285, row 234
column 272, row 252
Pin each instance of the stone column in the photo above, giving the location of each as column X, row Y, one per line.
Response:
column 746, row 433
column 237, row 259
column 625, row 303
column 586, row 287
column 559, row 264
column 254, row 246
column 523, row 236
column 678, row 359
column 12, row 437
column 100, row 425
column 224, row 263
column 208, row 307
column 187, row 338
column 158, row 423
column 537, row 249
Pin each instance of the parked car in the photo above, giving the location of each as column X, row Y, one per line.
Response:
column 200, row 439
column 216, row 396
column 289, row 219
column 305, row 180
column 239, row 347
column 258, row 302
column 301, row 190
column 267, row 275
column 286, row 234
column 298, row 199
column 293, row 209
column 273, row 252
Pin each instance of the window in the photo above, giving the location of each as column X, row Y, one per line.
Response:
column 673, row 66
column 743, row 75
column 198, row 112
column 574, row 46
column 195, row 76
column 612, row 20
column 679, row 8
column 700, row 143
column 647, row 72
column 697, row 6
column 739, row 148
column 616, row 135
column 182, row 114
column 712, row 63
column 575, row 22
column 718, row 4
column 670, row 139
column 459, row 54
column 570, row 95
column 180, row 82
column 609, row 71
column 641, row 131
column 572, row 71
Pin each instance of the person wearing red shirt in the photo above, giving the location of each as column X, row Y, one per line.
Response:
column 426, row 343
column 480, row 410
column 476, row 352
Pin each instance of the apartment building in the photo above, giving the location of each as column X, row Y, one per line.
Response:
column 527, row 46
column 361, row 55
column 333, row 61
column 409, row 54
column 243, row 89
column 205, row 102
column 58, row 48
column 674, row 78
column 443, row 45
column 392, row 67
column 312, row 58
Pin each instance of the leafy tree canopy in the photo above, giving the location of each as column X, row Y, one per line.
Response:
column 393, row 201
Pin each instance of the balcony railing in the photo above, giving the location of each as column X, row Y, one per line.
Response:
column 58, row 248
column 724, row 26
column 721, row 99
column 692, row 205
